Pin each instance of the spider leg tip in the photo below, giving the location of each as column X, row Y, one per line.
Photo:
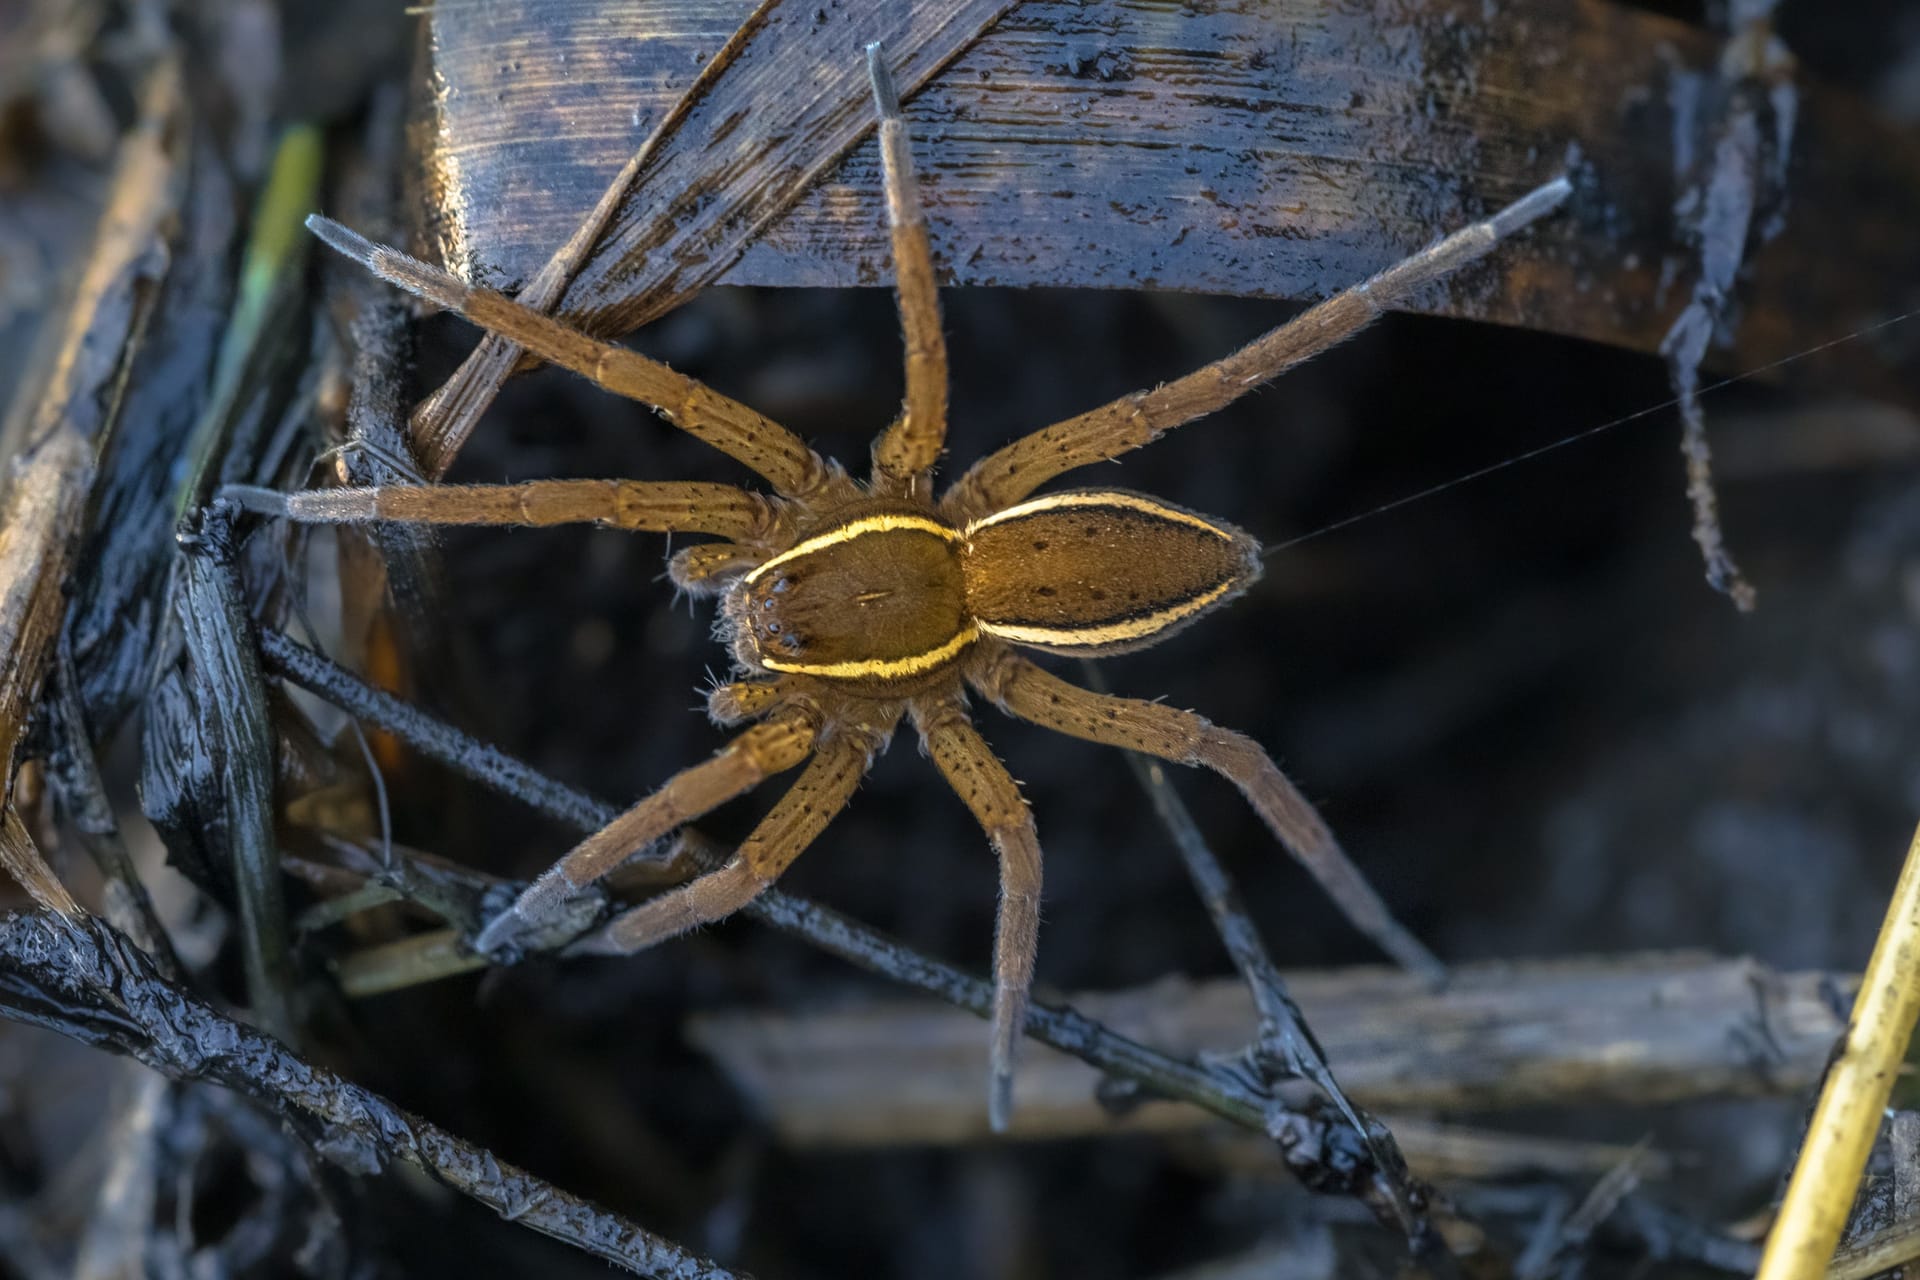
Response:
column 255, row 498
column 885, row 96
column 1533, row 206
column 343, row 239
column 1000, row 1100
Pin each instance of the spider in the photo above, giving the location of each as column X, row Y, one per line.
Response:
column 852, row 606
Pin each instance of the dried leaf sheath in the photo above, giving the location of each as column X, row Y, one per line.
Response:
column 1218, row 148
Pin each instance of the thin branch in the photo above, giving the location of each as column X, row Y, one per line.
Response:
column 86, row 980
column 1569, row 1236
column 489, row 766
column 1285, row 1046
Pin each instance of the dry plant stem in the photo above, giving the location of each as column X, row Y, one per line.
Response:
column 39, row 518
column 1005, row 477
column 1285, row 1043
column 989, row 791
column 1880, row 1252
column 912, row 444
column 1447, row 1152
column 1634, row 1030
column 773, row 452
column 407, row 962
column 445, row 419
column 1847, row 1118
column 81, row 978
column 773, row 747
column 1030, row 693
column 51, row 430
column 22, row 860
column 487, row 765
column 1551, row 1247
column 1725, row 201
column 1223, row 1093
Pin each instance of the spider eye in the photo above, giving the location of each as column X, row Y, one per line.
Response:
column 773, row 628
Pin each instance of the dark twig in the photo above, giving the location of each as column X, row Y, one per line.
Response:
column 1672, row 1237
column 84, row 979
column 1285, row 1046
column 1737, row 204
column 489, row 766
column 1562, row 1239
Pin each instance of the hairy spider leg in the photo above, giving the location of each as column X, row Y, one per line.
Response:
column 822, row 790
column 1027, row 692
column 772, row 747
column 989, row 791
column 775, row 453
column 1012, row 473
column 667, row 506
column 909, row 447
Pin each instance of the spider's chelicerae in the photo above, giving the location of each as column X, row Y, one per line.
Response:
column 850, row 606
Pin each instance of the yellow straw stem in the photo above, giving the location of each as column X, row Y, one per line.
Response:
column 1847, row 1119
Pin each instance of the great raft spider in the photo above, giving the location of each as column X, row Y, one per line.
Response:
column 848, row 605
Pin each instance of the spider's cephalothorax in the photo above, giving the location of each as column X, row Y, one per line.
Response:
column 850, row 607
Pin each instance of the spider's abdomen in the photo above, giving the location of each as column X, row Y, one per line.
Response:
column 876, row 601
column 1100, row 571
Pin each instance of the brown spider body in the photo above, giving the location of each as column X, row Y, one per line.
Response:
column 892, row 600
column 852, row 607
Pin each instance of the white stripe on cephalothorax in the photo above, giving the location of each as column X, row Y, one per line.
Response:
column 886, row 522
